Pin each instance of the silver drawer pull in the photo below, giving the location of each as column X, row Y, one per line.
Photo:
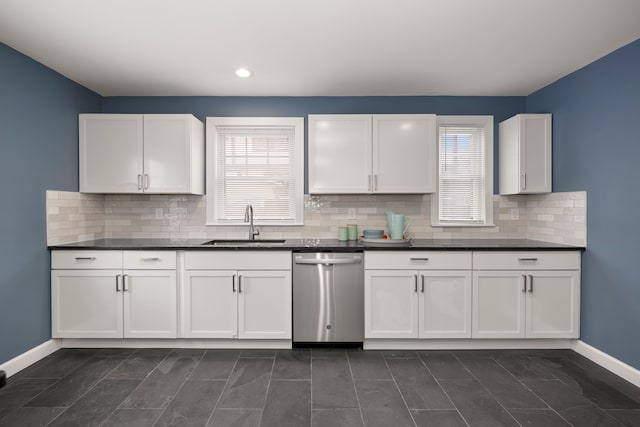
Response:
column 85, row 258
column 151, row 259
column 419, row 259
column 527, row 259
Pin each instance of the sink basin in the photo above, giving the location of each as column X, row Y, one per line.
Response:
column 245, row 242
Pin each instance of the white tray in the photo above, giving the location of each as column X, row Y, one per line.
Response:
column 384, row 242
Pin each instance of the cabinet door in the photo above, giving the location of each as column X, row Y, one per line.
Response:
column 498, row 304
column 445, row 304
column 168, row 159
column 111, row 153
column 208, row 302
column 339, row 154
column 150, row 304
column 535, row 146
column 390, row 304
column 404, row 153
column 553, row 304
column 264, row 304
column 86, row 304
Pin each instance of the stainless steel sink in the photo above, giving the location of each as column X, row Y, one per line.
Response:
column 245, row 242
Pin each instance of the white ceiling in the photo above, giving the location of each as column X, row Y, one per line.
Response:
column 317, row 47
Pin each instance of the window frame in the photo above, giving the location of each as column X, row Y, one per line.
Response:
column 487, row 122
column 211, row 167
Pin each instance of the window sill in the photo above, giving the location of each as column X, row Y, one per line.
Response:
column 463, row 225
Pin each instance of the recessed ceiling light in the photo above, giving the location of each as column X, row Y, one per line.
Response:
column 243, row 72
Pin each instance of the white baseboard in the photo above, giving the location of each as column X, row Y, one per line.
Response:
column 466, row 344
column 173, row 343
column 29, row 357
column 614, row 365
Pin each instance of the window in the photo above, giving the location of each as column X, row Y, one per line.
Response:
column 256, row 161
column 464, row 195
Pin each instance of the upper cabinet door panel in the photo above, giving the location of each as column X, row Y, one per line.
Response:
column 404, row 153
column 525, row 154
column 536, row 135
column 167, row 153
column 110, row 153
column 339, row 154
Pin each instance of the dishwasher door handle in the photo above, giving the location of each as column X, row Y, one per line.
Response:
column 314, row 261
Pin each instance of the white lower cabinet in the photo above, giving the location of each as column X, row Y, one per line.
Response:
column 540, row 300
column 241, row 302
column 95, row 295
column 431, row 302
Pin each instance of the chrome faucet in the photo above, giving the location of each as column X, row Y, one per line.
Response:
column 248, row 217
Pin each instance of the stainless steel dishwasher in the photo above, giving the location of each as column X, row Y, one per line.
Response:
column 328, row 297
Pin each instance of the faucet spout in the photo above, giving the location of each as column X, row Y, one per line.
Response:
column 248, row 217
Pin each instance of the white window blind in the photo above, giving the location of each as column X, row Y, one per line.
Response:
column 257, row 165
column 465, row 172
column 462, row 174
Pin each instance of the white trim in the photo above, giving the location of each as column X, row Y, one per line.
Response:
column 174, row 343
column 29, row 357
column 608, row 362
column 466, row 344
column 487, row 123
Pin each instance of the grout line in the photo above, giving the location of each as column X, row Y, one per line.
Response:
column 400, row 392
column 442, row 389
column 266, row 395
column 215, row 407
column 355, row 389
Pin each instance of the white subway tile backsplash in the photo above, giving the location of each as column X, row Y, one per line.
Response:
column 557, row 217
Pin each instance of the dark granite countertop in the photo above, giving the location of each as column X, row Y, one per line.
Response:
column 313, row 245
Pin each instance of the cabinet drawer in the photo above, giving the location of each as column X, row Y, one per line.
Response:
column 415, row 260
column 149, row 260
column 547, row 260
column 86, row 259
column 237, row 260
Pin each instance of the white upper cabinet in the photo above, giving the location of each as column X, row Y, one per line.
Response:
column 132, row 153
column 525, row 154
column 404, row 153
column 339, row 154
column 372, row 154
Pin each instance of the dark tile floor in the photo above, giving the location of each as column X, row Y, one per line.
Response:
column 317, row 387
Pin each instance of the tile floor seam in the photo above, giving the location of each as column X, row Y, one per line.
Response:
column 534, row 393
column 487, row 390
column 98, row 381
column 443, row 390
column 355, row 389
column 400, row 392
column 266, row 394
column 226, row 382
column 136, row 388
column 172, row 398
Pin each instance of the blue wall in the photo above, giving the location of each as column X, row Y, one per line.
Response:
column 38, row 151
column 596, row 147
column 500, row 107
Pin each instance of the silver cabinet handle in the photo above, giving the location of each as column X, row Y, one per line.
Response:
column 233, row 283
column 528, row 259
column 118, row 282
column 146, row 181
column 415, row 281
column 375, row 182
column 240, row 284
column 139, row 182
column 530, row 283
column 125, row 285
column 155, row 258
column 85, row 258
column 418, row 259
column 524, row 283
column 422, row 280
column 370, row 183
